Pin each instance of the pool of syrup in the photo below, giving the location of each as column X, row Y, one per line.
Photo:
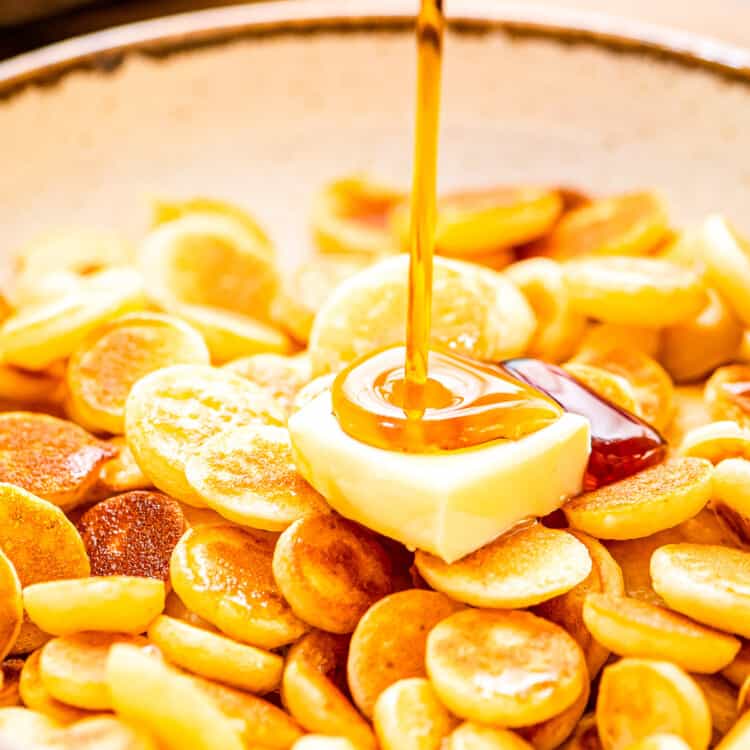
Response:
column 463, row 403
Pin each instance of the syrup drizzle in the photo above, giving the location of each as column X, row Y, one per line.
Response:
column 621, row 443
column 430, row 25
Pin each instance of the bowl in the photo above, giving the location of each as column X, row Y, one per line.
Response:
column 263, row 103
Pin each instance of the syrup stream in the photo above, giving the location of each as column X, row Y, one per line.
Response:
column 430, row 24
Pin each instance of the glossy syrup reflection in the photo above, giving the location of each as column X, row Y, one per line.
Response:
column 464, row 403
column 621, row 443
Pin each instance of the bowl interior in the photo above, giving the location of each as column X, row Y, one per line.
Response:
column 266, row 120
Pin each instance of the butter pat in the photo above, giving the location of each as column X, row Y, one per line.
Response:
column 448, row 503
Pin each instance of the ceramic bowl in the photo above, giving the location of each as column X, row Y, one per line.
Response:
column 263, row 103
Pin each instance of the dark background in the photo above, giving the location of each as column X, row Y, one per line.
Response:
column 17, row 38
column 727, row 20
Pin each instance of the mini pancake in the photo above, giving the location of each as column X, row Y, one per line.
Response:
column 280, row 375
column 42, row 544
column 224, row 574
column 390, row 640
column 230, row 335
column 559, row 328
column 171, row 412
column 691, row 350
column 725, row 256
column 566, row 610
column 654, row 390
column 52, row 458
column 475, row 312
column 640, row 697
column 724, row 394
column 100, row 733
column 655, row 499
column 629, row 627
column 709, row 583
column 168, row 209
column 630, row 224
column 731, row 498
column 634, row 558
column 614, row 388
column 206, row 258
column 312, row 685
column 153, row 695
column 479, row 222
column 684, row 248
column 248, row 476
column 409, row 716
column 722, row 700
column 72, row 668
column 305, row 290
column 261, row 724
column 39, row 335
column 523, row 567
column 35, row 695
column 105, row 367
column 11, row 676
column 717, row 441
column 350, row 215
column 11, row 606
column 110, row 604
column 331, row 571
column 472, row 736
column 25, row 727
column 132, row 534
column 215, row 656
column 634, row 291
column 529, row 669
column 550, row 734
column 119, row 474
column 46, row 286
column 81, row 251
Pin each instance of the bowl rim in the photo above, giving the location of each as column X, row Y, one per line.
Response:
column 105, row 50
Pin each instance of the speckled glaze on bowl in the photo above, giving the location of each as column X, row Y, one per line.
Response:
column 262, row 103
